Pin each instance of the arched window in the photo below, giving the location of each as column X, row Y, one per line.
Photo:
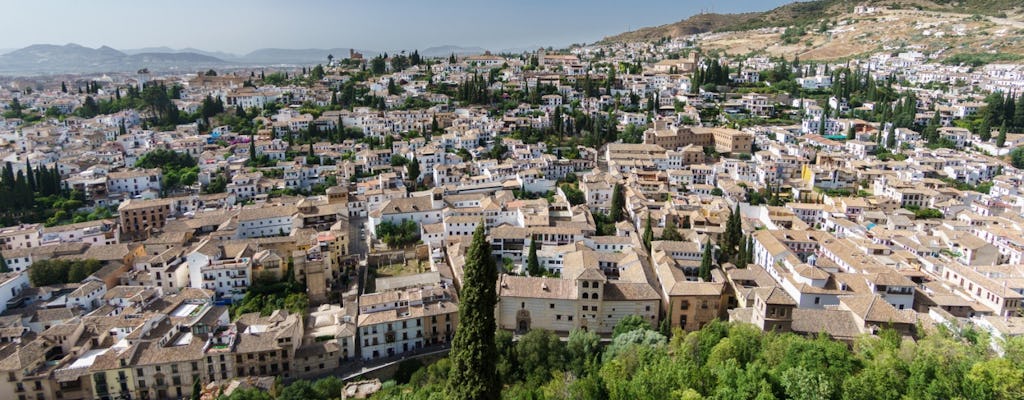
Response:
column 585, row 295
column 595, row 296
column 595, row 284
column 586, row 284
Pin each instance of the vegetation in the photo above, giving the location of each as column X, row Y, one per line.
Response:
column 57, row 271
column 532, row 264
column 268, row 294
column 179, row 169
column 328, row 388
column 979, row 59
column 738, row 361
column 35, row 196
column 398, row 235
column 474, row 354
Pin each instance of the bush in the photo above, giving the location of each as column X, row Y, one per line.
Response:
column 55, row 272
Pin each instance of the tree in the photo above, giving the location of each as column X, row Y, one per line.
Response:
column 197, row 389
column 63, row 87
column 1001, row 139
column 539, row 353
column 630, row 323
column 473, row 352
column 532, row 265
column 705, row 262
column 1017, row 157
column 413, row 170
column 985, row 131
column 733, row 234
column 648, row 232
column 3, row 265
column 618, row 203
column 670, row 232
column 582, row 350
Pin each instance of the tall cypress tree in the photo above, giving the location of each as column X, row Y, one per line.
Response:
column 532, row 264
column 670, row 232
column 705, row 262
column 1001, row 139
column 648, row 232
column 3, row 265
column 30, row 174
column 618, row 203
column 473, row 354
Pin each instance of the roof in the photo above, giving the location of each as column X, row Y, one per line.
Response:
column 536, row 287
column 872, row 308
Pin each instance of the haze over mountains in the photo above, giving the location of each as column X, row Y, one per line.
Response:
column 74, row 58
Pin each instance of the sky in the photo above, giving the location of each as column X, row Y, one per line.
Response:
column 240, row 26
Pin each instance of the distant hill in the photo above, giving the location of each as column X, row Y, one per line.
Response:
column 164, row 49
column 74, row 58
column 803, row 13
column 445, row 51
column 293, row 56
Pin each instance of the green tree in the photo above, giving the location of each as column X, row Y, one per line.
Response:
column 648, row 232
column 3, row 265
column 532, row 264
column 413, row 170
column 630, row 323
column 671, row 232
column 540, row 353
column 1001, row 139
column 618, row 203
column 985, row 130
column 583, row 349
column 473, row 352
column 705, row 262
column 1017, row 157
column 197, row 389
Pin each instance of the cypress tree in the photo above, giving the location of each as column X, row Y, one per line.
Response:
column 1001, row 139
column 670, row 232
column 30, row 174
column 618, row 203
column 197, row 389
column 473, row 353
column 686, row 222
column 648, row 232
column 705, row 262
column 741, row 254
column 985, row 130
column 532, row 264
column 750, row 252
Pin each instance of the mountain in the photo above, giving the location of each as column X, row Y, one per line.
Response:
column 447, row 50
column 74, row 58
column 804, row 13
column 164, row 49
column 293, row 56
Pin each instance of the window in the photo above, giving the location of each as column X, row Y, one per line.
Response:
column 552, row 305
column 817, row 300
column 594, row 296
column 684, row 305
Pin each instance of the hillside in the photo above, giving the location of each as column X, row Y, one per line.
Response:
column 830, row 30
column 73, row 58
column 805, row 13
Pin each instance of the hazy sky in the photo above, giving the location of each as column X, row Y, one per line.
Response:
column 241, row 26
